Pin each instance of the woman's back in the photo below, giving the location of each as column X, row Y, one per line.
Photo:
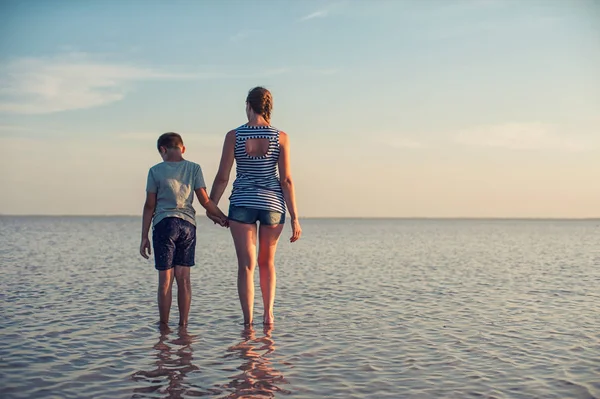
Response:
column 257, row 182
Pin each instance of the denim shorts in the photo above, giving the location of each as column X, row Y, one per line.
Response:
column 242, row 214
column 174, row 242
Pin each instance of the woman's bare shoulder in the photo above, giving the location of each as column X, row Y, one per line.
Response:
column 283, row 137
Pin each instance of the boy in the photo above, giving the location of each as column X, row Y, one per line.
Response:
column 169, row 194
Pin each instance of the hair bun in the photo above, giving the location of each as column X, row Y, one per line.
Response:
column 261, row 102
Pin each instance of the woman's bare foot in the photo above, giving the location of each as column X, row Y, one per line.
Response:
column 268, row 319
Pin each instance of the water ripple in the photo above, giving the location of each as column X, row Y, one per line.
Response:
column 365, row 309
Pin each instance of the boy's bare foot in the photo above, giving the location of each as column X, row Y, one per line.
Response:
column 268, row 320
column 163, row 327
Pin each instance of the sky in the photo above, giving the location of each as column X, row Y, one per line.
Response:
column 475, row 108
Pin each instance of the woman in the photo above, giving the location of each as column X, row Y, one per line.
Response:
column 258, row 195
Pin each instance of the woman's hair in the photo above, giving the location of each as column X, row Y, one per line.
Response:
column 261, row 102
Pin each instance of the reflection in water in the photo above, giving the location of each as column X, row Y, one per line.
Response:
column 258, row 378
column 173, row 362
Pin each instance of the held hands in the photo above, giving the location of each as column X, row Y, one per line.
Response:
column 145, row 249
column 296, row 230
column 221, row 219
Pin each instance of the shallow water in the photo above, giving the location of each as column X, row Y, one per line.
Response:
column 364, row 309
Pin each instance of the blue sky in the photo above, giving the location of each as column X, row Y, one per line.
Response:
column 394, row 108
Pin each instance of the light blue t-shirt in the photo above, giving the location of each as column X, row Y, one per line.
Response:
column 174, row 184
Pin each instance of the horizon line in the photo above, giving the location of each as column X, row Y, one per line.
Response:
column 340, row 217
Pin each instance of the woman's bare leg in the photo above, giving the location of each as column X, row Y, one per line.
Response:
column 268, row 236
column 244, row 239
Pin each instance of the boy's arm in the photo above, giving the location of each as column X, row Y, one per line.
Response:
column 209, row 205
column 149, row 207
column 222, row 178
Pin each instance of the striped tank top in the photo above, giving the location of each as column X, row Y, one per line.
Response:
column 257, row 183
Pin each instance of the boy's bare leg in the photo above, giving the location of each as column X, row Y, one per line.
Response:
column 165, row 285
column 184, row 293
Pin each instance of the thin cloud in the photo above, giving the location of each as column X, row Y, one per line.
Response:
column 46, row 85
column 76, row 81
column 316, row 14
column 329, row 10
column 521, row 136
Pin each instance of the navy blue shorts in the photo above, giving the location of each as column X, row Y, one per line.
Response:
column 242, row 214
column 174, row 243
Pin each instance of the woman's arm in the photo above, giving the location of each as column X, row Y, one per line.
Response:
column 211, row 208
column 287, row 184
column 222, row 177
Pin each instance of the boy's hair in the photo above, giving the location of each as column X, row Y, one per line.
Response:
column 169, row 140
